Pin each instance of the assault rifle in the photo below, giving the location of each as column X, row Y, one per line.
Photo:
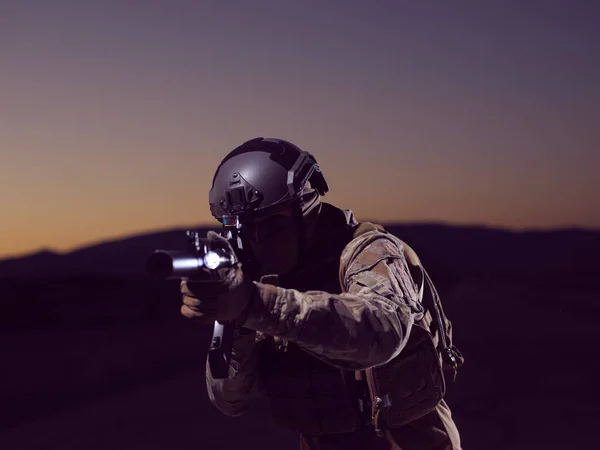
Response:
column 191, row 263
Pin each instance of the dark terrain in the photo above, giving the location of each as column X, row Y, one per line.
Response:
column 95, row 355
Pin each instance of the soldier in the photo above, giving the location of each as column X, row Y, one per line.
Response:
column 325, row 309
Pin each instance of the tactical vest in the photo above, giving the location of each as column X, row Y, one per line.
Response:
column 314, row 398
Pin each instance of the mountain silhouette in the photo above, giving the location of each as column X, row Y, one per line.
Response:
column 447, row 250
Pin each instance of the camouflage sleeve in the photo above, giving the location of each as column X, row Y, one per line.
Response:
column 365, row 326
column 233, row 395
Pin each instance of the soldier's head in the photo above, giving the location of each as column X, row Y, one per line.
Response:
column 275, row 189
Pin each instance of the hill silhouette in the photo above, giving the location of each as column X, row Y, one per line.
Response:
column 446, row 249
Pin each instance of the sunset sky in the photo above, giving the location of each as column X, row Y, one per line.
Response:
column 114, row 114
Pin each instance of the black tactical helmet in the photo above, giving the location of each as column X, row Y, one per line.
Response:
column 260, row 175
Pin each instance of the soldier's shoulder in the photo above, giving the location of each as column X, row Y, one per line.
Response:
column 370, row 242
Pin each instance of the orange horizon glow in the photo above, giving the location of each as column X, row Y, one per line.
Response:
column 113, row 118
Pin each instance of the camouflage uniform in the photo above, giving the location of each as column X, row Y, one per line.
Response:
column 306, row 336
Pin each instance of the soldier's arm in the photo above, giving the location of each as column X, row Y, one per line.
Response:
column 363, row 327
column 233, row 395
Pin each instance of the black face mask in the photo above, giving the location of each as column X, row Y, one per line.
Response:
column 274, row 242
column 275, row 239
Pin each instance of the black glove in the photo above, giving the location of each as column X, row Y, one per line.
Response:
column 224, row 298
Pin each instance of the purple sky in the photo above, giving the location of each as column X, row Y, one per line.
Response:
column 114, row 114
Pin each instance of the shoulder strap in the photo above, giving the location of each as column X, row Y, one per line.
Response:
column 447, row 351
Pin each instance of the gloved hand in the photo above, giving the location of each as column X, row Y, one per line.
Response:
column 225, row 298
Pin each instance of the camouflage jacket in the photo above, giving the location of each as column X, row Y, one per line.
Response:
column 366, row 325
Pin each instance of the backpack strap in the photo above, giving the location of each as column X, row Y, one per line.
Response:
column 449, row 357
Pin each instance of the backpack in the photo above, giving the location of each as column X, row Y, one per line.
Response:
column 413, row 383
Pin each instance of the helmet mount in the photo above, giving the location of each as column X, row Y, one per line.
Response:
column 240, row 196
